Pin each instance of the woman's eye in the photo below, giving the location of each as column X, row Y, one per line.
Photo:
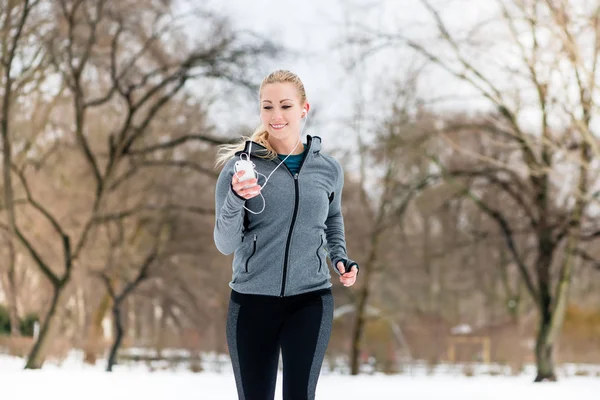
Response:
column 286, row 107
column 267, row 107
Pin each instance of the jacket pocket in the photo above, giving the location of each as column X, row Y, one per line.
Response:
column 251, row 254
column 318, row 253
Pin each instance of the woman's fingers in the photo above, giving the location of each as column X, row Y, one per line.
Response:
column 348, row 278
column 246, row 189
column 249, row 191
column 348, row 281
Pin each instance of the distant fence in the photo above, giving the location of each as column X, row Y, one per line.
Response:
column 178, row 359
column 335, row 362
column 20, row 346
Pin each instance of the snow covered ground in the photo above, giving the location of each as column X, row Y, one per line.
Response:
column 73, row 381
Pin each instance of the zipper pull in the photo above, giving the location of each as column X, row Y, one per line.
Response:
column 255, row 237
column 296, row 176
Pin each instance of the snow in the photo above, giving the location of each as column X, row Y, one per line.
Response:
column 462, row 329
column 72, row 380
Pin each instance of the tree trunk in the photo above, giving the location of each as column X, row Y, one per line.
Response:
column 135, row 318
column 544, row 351
column 112, row 358
column 361, row 307
column 9, row 288
column 95, row 335
column 551, row 318
column 8, row 194
column 431, row 301
column 47, row 330
column 15, row 324
column 161, row 325
column 358, row 329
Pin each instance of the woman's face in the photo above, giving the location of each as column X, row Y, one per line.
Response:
column 281, row 110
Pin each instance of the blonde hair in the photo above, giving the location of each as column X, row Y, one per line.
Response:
column 261, row 135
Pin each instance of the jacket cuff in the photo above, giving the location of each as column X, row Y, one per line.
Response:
column 348, row 264
column 235, row 194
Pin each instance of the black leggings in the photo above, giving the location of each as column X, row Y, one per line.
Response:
column 259, row 326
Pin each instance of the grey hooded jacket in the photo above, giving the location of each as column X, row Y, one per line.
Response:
column 281, row 251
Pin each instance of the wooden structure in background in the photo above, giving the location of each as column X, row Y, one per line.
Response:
column 484, row 341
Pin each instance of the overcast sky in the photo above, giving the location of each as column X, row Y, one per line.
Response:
column 308, row 29
column 311, row 28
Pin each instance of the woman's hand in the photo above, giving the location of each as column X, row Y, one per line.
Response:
column 347, row 278
column 246, row 189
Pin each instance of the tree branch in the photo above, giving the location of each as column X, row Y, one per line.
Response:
column 585, row 256
column 177, row 141
column 141, row 276
column 505, row 229
column 136, row 210
column 488, row 174
column 180, row 164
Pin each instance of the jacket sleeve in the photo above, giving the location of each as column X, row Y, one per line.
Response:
column 229, row 213
column 336, row 239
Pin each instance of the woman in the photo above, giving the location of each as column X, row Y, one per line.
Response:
column 280, row 228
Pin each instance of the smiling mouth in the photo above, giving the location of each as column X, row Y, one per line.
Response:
column 278, row 126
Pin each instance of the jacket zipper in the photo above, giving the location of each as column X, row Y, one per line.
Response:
column 251, row 255
column 319, row 248
column 289, row 238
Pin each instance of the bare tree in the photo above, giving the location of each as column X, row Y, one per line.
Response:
column 18, row 68
column 141, row 76
column 555, row 211
column 382, row 200
column 118, row 296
